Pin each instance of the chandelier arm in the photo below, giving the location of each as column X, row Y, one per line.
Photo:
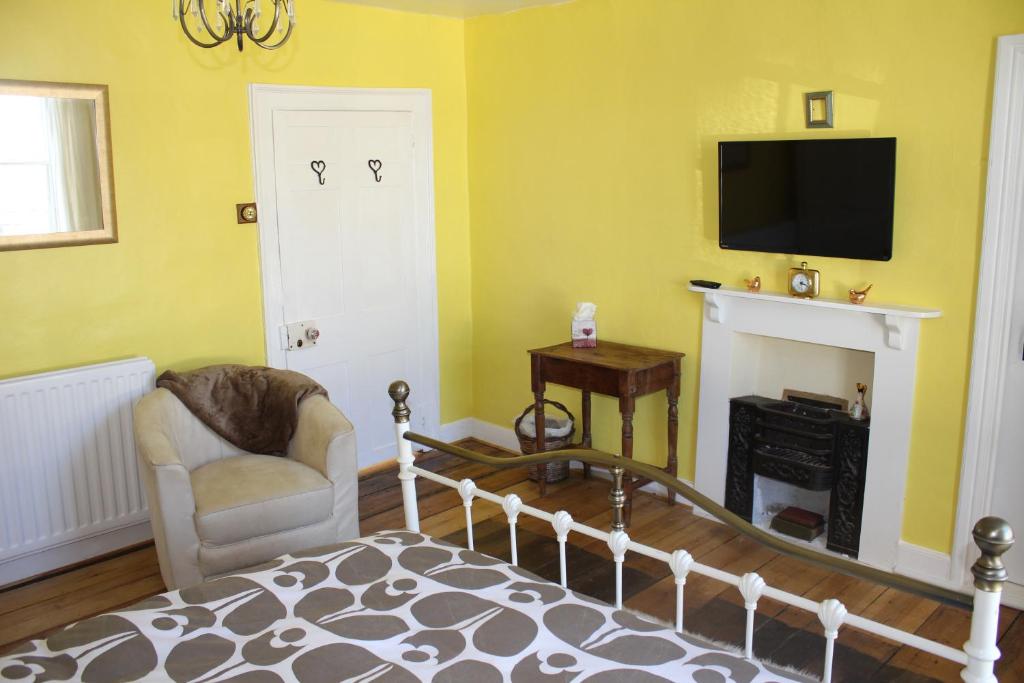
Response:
column 188, row 33
column 259, row 40
column 284, row 39
column 206, row 22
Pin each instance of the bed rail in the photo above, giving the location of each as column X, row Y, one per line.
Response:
column 992, row 535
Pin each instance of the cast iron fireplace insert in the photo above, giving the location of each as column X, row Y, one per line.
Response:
column 809, row 447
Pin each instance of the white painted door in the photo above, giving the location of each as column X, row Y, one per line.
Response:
column 343, row 189
column 1008, row 464
column 993, row 461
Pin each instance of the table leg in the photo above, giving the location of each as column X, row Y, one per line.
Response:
column 586, row 441
column 673, row 430
column 538, row 414
column 673, row 438
column 626, row 406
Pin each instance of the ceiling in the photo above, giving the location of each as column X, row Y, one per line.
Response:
column 456, row 8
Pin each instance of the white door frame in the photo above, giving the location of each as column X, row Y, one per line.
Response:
column 1001, row 239
column 263, row 101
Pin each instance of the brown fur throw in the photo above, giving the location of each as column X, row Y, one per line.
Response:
column 254, row 408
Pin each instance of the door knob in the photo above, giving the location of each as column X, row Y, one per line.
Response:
column 295, row 336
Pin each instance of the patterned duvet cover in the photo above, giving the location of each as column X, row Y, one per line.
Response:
column 395, row 606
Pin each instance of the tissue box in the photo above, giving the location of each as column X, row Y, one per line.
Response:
column 584, row 334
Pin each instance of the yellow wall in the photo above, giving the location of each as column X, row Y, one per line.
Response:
column 592, row 136
column 183, row 284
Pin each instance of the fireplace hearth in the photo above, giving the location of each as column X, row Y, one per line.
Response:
column 811, row 448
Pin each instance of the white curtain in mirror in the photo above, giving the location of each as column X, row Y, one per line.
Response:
column 75, row 184
column 49, row 169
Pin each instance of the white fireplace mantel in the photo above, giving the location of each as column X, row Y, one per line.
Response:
column 893, row 316
column 889, row 333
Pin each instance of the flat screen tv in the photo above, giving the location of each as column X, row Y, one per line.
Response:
column 808, row 197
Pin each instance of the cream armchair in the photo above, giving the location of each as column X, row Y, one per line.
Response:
column 216, row 508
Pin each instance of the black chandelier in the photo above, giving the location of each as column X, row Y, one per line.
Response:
column 237, row 18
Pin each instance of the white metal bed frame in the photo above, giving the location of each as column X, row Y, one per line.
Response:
column 992, row 535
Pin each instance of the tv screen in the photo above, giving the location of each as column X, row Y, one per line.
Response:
column 808, row 197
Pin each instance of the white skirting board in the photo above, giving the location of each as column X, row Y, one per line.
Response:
column 72, row 552
column 912, row 560
column 478, row 429
column 1013, row 595
column 460, row 429
column 935, row 567
column 925, row 564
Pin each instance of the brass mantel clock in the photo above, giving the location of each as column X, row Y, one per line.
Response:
column 804, row 282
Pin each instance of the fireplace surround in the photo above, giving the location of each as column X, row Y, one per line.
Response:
column 876, row 340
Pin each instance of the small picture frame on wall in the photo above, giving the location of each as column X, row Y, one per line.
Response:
column 818, row 109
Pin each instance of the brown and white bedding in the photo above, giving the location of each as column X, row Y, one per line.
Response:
column 395, row 606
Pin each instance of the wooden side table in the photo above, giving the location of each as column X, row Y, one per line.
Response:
column 620, row 370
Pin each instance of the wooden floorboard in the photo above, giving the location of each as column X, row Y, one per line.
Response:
column 712, row 609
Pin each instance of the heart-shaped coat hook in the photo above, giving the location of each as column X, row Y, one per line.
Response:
column 319, row 167
column 375, row 166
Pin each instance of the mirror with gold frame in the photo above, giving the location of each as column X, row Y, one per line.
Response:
column 56, row 173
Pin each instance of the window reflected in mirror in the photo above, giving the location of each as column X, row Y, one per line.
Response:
column 55, row 172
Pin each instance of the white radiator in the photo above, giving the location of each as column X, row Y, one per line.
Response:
column 69, row 480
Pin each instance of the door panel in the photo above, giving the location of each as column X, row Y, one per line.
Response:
column 347, row 259
column 1007, row 496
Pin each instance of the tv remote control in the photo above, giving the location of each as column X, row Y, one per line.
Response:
column 710, row 284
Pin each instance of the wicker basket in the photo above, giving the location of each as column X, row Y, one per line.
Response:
column 556, row 471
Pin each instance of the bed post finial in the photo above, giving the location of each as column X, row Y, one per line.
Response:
column 994, row 537
column 617, row 497
column 399, row 391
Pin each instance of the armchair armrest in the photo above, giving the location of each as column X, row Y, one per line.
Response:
column 324, row 439
column 151, row 439
column 168, row 493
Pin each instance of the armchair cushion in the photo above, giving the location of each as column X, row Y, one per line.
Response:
column 246, row 496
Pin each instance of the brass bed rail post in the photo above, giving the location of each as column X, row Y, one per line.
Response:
column 617, row 497
column 399, row 391
column 618, row 542
column 993, row 537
